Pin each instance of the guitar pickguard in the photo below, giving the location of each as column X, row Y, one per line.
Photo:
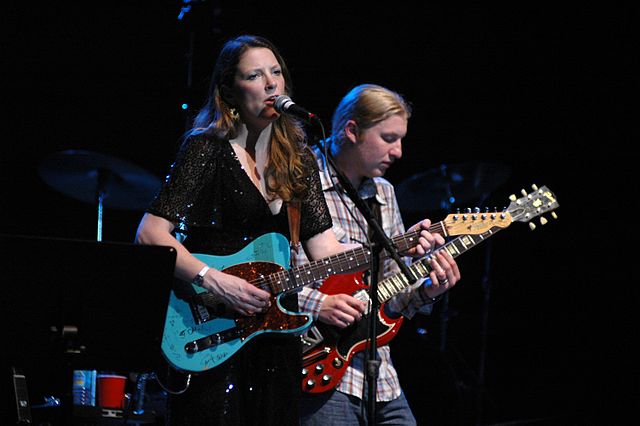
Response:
column 326, row 360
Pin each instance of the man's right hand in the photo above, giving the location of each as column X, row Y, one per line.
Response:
column 341, row 310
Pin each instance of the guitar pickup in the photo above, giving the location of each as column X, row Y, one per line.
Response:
column 316, row 356
column 212, row 340
column 204, row 307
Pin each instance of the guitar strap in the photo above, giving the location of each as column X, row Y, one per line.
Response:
column 293, row 212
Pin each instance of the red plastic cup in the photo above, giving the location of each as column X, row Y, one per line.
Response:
column 111, row 390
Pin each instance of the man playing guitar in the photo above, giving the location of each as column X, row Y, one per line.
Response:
column 367, row 130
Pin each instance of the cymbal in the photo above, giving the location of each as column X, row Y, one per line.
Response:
column 84, row 175
column 441, row 187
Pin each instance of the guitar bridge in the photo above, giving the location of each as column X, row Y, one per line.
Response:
column 311, row 339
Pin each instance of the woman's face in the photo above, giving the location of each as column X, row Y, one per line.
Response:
column 258, row 80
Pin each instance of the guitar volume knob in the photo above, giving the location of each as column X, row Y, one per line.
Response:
column 311, row 383
column 191, row 347
column 319, row 368
column 326, row 379
column 305, row 372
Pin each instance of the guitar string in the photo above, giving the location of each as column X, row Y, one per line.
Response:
column 268, row 282
column 264, row 282
column 458, row 248
column 388, row 284
column 342, row 261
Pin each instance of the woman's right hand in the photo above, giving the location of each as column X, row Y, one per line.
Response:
column 236, row 293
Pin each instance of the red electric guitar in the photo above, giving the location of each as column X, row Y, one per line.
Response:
column 328, row 350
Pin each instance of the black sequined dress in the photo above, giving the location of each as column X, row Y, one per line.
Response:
column 213, row 201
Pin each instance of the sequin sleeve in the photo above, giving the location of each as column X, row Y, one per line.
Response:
column 315, row 215
column 187, row 182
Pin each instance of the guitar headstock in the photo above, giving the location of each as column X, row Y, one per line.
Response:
column 523, row 209
column 475, row 222
column 536, row 203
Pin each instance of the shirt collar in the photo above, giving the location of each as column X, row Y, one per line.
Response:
column 367, row 188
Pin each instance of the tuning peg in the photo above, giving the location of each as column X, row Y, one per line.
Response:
column 554, row 215
column 512, row 197
column 476, row 210
column 534, row 187
column 543, row 221
column 532, row 226
column 523, row 192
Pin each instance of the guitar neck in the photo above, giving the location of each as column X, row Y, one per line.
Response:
column 350, row 260
column 395, row 284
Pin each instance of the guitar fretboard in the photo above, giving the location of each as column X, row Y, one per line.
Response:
column 350, row 260
column 393, row 285
column 344, row 262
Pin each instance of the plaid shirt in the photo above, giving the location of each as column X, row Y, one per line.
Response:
column 350, row 226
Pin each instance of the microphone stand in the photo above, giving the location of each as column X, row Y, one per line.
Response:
column 380, row 242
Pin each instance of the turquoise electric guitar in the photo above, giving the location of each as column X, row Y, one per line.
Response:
column 199, row 334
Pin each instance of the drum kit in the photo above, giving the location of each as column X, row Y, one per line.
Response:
column 99, row 179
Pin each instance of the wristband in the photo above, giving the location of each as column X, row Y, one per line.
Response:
column 199, row 279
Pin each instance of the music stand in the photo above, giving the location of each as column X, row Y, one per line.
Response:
column 72, row 304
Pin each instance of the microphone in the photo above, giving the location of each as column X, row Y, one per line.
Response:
column 284, row 105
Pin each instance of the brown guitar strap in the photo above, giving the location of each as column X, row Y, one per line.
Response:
column 293, row 212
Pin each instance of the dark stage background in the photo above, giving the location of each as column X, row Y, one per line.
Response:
column 543, row 91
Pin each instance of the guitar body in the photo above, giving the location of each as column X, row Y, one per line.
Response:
column 199, row 336
column 325, row 364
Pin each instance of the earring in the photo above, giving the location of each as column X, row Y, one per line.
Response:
column 234, row 113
